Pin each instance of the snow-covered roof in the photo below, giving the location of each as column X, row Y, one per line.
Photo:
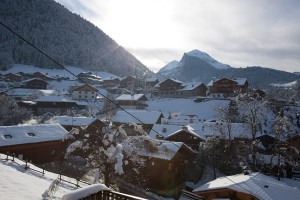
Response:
column 54, row 99
column 27, row 92
column 18, row 183
column 24, row 134
column 147, row 117
column 239, row 81
column 73, row 121
column 191, row 132
column 256, row 184
column 165, row 130
column 85, row 192
column 128, row 97
column 190, row 86
column 28, row 80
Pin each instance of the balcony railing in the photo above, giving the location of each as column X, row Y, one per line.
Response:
column 111, row 195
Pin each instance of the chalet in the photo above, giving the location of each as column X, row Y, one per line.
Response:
column 40, row 144
column 111, row 82
column 54, row 104
column 131, row 82
column 164, row 166
column 253, row 186
column 10, row 77
column 42, row 76
column 171, row 88
column 188, row 137
column 294, row 146
column 85, row 92
column 227, row 87
column 89, row 77
column 145, row 118
column 34, row 83
column 151, row 82
column 267, row 141
column 167, row 169
column 132, row 101
column 29, row 94
column 86, row 125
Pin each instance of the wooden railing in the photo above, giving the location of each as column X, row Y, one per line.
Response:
column 111, row 195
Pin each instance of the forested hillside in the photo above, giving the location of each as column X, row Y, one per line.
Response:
column 66, row 37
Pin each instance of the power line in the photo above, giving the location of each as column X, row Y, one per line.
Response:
column 57, row 63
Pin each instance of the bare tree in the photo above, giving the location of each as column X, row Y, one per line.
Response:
column 253, row 113
column 11, row 113
column 109, row 108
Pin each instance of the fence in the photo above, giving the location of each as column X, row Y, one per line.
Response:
column 110, row 195
column 27, row 166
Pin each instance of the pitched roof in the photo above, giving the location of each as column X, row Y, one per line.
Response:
column 24, row 134
column 74, row 121
column 54, row 99
column 256, row 184
column 164, row 130
column 239, row 81
column 190, row 86
column 32, row 79
column 191, row 132
column 129, row 97
column 85, row 87
column 147, row 117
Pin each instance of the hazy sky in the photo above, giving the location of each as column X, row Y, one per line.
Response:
column 236, row 32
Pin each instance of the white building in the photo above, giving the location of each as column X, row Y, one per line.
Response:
column 85, row 92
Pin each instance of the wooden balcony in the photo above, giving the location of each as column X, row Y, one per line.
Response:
column 111, row 195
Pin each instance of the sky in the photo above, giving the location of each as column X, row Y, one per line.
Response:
column 240, row 33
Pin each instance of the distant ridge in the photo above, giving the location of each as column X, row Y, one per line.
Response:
column 199, row 66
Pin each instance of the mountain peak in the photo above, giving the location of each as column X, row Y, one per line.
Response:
column 207, row 58
column 171, row 65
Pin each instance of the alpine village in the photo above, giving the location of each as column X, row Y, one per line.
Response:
column 82, row 118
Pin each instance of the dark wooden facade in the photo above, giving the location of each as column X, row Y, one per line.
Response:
column 12, row 77
column 35, row 83
column 167, row 177
column 186, row 137
column 227, row 87
column 54, row 107
column 111, row 82
column 175, row 89
column 37, row 153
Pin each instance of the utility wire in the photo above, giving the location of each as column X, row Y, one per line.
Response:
column 53, row 60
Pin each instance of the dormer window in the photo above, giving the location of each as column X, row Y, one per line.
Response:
column 31, row 134
column 7, row 136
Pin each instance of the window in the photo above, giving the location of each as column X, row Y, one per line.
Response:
column 7, row 136
column 79, row 92
column 31, row 134
column 153, row 163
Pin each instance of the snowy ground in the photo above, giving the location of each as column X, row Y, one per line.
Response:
column 18, row 183
column 54, row 72
column 203, row 110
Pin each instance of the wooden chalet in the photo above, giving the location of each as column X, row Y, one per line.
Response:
column 164, row 168
column 10, row 77
column 111, row 82
column 132, row 101
column 151, row 82
column 86, row 125
column 54, row 104
column 42, row 76
column 89, row 77
column 39, row 144
column 85, row 92
column 171, row 88
column 188, row 137
column 131, row 82
column 254, row 186
column 34, row 83
column 227, row 87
